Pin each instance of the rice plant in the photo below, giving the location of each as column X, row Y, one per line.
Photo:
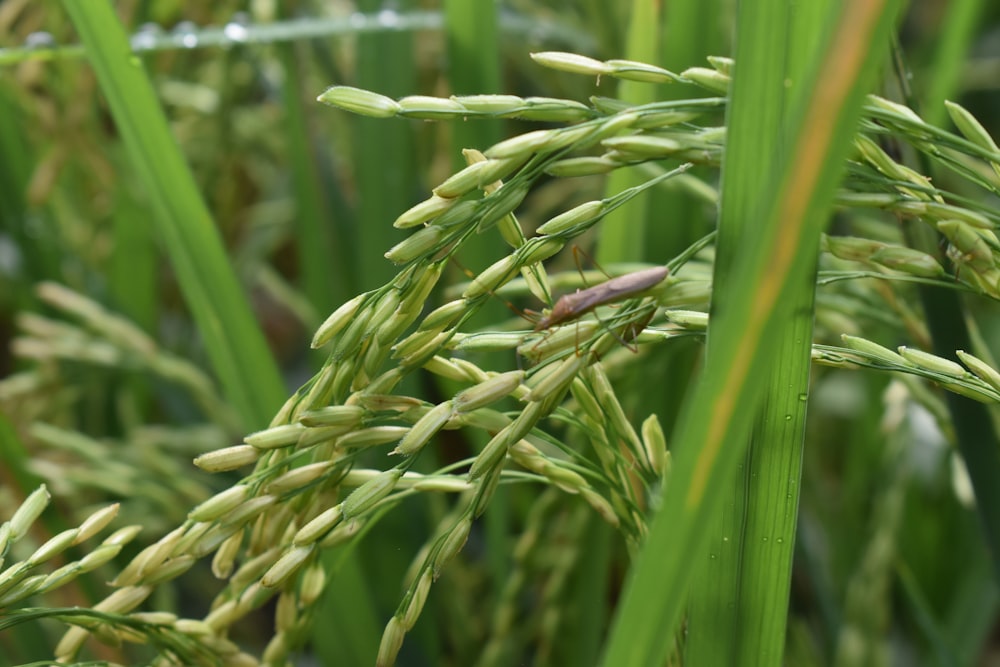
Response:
column 394, row 462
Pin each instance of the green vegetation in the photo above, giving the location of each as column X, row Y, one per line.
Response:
column 266, row 402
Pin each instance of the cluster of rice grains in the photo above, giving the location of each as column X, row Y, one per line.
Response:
column 305, row 493
column 881, row 182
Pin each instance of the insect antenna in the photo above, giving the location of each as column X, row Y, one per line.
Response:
column 527, row 315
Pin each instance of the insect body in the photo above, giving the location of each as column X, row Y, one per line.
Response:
column 570, row 306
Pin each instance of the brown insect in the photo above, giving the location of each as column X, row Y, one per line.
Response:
column 571, row 306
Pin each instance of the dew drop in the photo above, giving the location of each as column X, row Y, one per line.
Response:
column 185, row 30
column 145, row 39
column 388, row 18
column 236, row 29
column 39, row 40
